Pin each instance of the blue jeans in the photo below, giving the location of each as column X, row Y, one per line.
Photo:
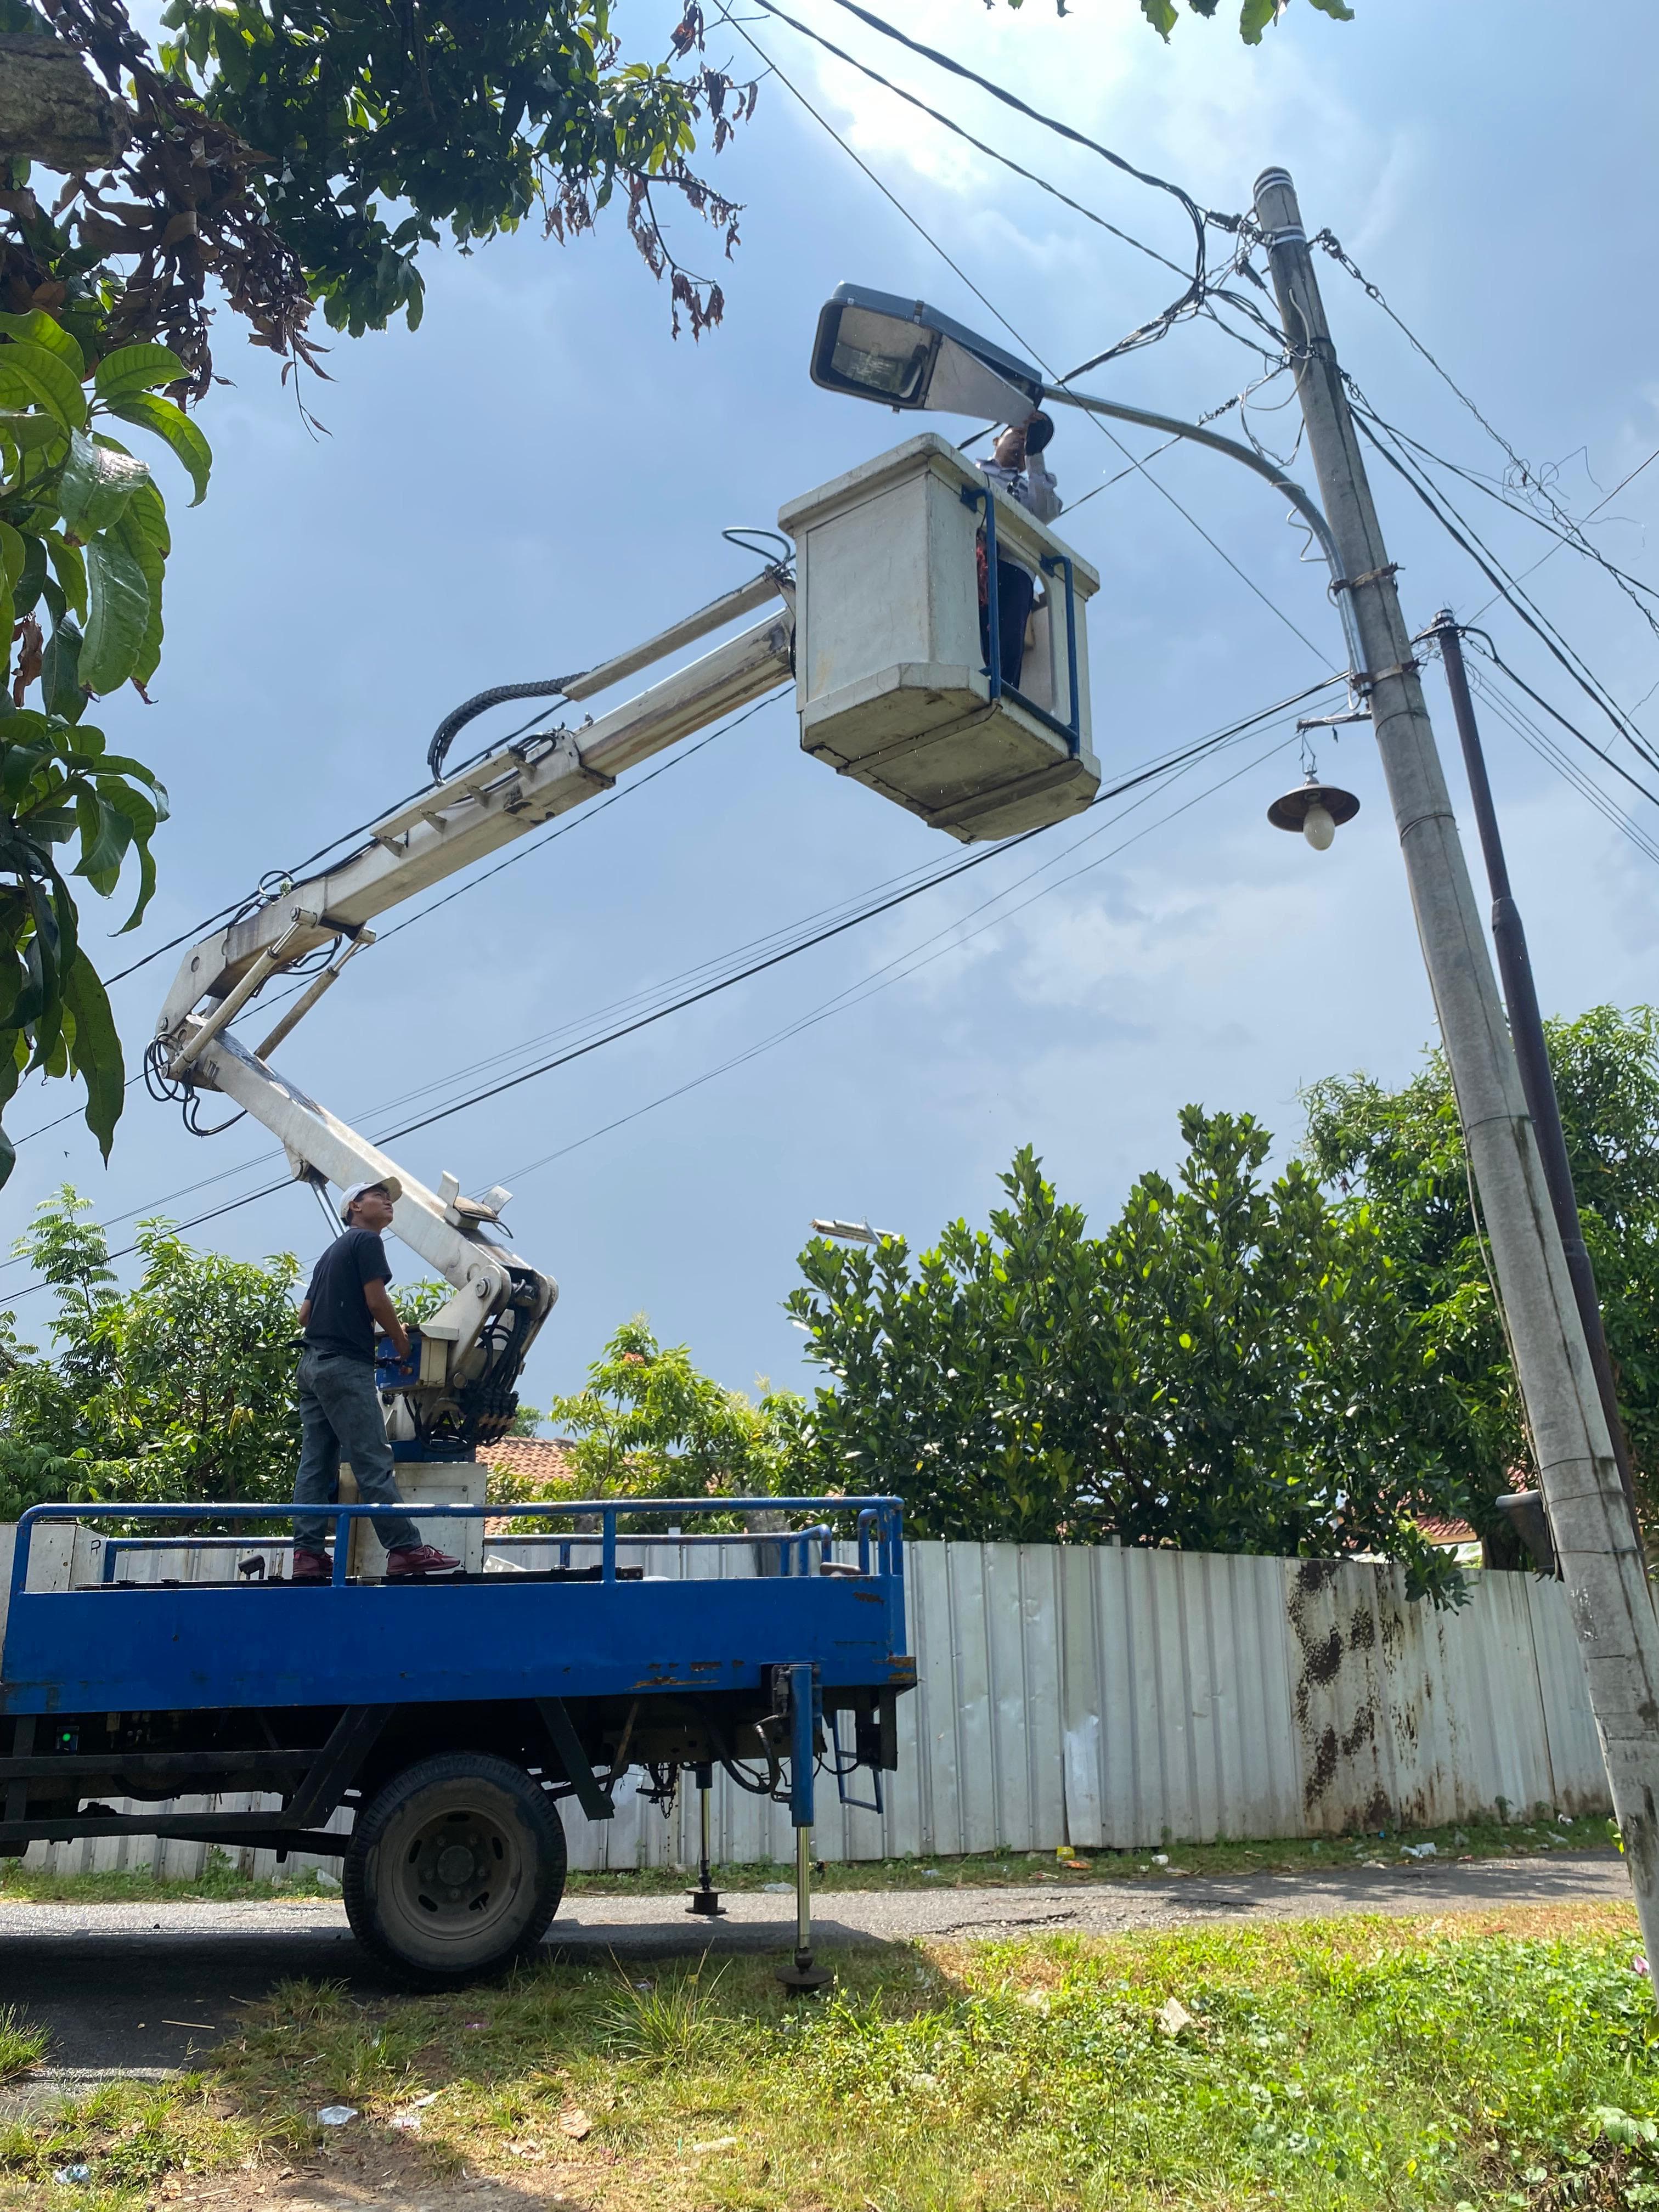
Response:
column 1015, row 590
column 340, row 1414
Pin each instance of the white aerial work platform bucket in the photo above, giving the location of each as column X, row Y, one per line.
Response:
column 891, row 678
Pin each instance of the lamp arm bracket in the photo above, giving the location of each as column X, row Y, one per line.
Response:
column 1303, row 501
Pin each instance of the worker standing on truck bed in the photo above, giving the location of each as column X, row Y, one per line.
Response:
column 339, row 1405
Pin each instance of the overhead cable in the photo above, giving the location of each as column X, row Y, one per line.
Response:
column 1506, row 586
column 1136, row 463
column 1483, row 643
column 472, row 883
column 899, row 970
column 870, row 910
column 1554, row 756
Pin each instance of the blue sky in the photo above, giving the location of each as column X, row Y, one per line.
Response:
column 540, row 475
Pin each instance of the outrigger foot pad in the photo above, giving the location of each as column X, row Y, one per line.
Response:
column 801, row 1976
column 706, row 1902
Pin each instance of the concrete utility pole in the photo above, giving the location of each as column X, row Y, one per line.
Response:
column 1612, row 1610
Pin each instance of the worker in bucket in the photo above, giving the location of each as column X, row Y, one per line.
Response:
column 340, row 1411
column 1017, row 470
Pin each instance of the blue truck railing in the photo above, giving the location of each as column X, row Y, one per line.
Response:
column 118, row 1644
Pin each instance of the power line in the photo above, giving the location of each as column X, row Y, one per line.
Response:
column 1551, row 753
column 1602, row 503
column 870, row 910
column 990, row 152
column 899, row 970
column 1574, row 538
column 1484, row 644
column 522, row 852
column 1019, row 338
column 1199, row 217
column 1506, row 586
column 1201, row 288
column 760, row 966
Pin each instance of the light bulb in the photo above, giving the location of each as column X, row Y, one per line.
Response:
column 1318, row 827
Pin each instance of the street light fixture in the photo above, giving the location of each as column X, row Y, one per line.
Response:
column 906, row 355
column 1317, row 810
column 852, row 1233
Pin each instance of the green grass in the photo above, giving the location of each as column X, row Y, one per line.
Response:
column 995, row 1869
column 1507, row 2060
column 21, row 2046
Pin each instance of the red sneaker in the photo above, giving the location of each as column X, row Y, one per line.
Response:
column 312, row 1567
column 416, row 1559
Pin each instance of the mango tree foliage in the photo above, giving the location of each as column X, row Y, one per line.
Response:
column 83, row 550
column 179, row 1390
column 292, row 154
column 1230, row 1367
column 648, row 1423
column 1255, row 16
column 1402, row 1152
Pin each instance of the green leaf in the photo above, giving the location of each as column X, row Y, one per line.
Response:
column 1161, row 15
column 143, row 817
column 95, row 486
column 105, row 834
column 34, row 573
column 60, row 679
column 118, row 617
column 30, row 376
column 136, row 539
column 26, row 432
column 95, row 1048
column 148, row 514
column 71, row 573
column 172, row 424
column 1337, row 9
column 38, row 328
column 1254, row 18
column 14, row 553
column 135, row 369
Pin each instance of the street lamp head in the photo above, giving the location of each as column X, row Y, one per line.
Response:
column 851, row 1232
column 1317, row 810
column 904, row 354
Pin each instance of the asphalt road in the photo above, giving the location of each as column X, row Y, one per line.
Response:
column 142, row 1989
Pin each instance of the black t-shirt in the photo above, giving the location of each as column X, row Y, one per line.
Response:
column 340, row 1319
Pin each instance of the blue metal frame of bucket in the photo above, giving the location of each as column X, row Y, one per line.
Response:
column 973, row 495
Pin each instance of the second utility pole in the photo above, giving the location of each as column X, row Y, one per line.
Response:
column 1612, row 1614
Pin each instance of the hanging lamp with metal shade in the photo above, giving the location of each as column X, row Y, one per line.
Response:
column 1317, row 810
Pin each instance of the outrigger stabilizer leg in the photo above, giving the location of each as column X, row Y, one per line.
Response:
column 801, row 1975
column 705, row 1897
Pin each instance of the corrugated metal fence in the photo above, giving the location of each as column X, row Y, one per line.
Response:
column 1128, row 1698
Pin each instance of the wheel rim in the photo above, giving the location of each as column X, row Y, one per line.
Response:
column 455, row 1877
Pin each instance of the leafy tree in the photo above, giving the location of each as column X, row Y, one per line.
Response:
column 1402, row 1152
column 181, row 1388
column 309, row 152
column 647, row 1423
column 1230, row 1367
column 1255, row 16
column 83, row 548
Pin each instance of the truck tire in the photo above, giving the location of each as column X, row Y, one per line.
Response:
column 454, row 1869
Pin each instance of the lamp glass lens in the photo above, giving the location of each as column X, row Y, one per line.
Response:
column 1318, row 827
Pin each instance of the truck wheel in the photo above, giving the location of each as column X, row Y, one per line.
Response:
column 455, row 1868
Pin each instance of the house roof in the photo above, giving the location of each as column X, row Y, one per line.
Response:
column 1448, row 1533
column 543, row 1460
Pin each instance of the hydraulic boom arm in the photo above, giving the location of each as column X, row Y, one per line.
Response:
column 472, row 1352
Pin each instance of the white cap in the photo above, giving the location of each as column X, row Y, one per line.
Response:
column 389, row 1184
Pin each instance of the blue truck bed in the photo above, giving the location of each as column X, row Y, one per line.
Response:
column 450, row 1717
